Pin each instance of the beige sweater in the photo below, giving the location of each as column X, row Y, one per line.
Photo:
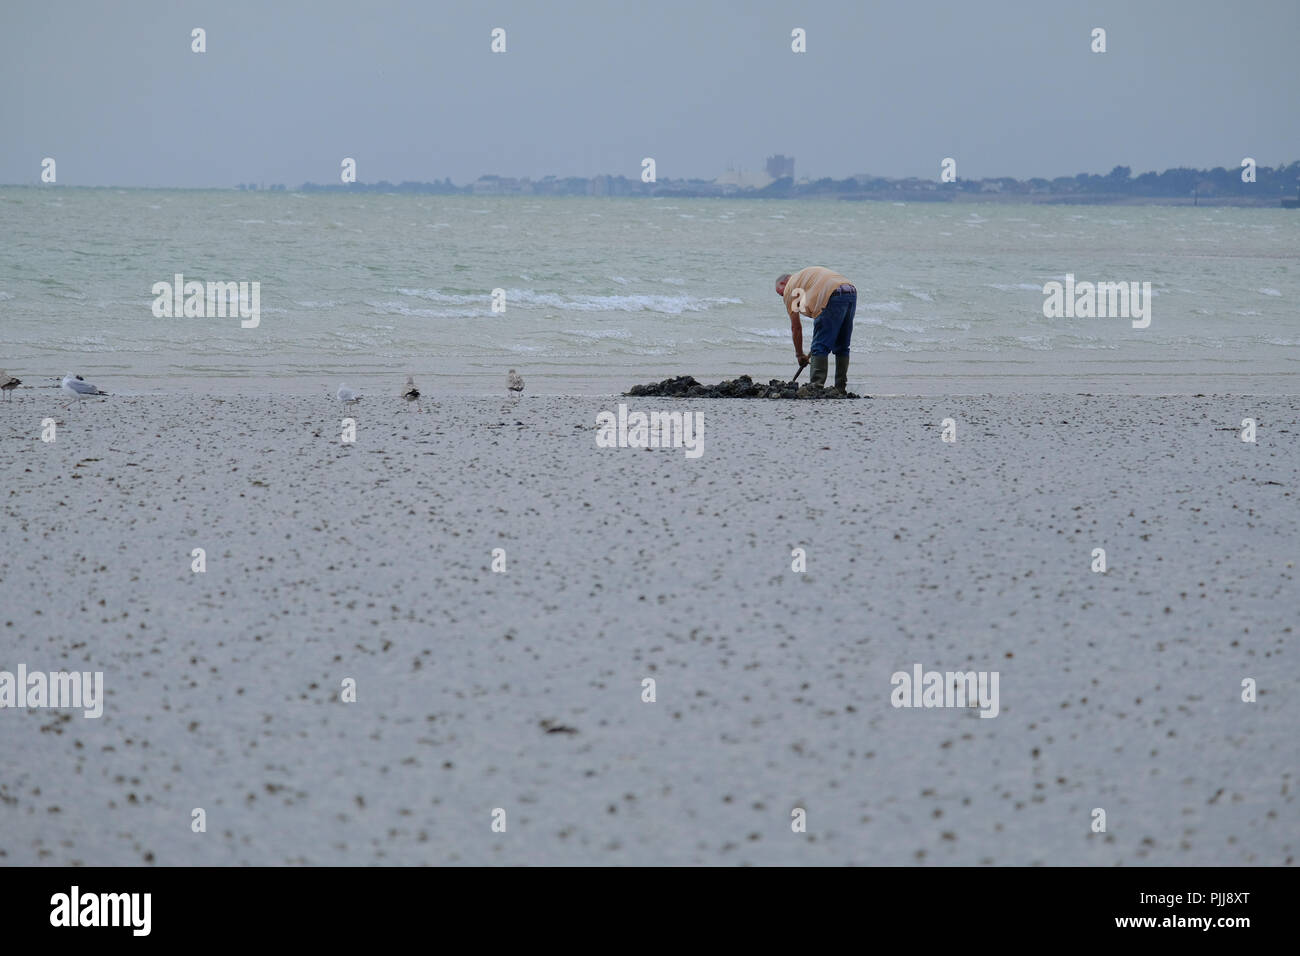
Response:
column 817, row 284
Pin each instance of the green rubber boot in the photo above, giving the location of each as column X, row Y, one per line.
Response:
column 818, row 365
column 842, row 374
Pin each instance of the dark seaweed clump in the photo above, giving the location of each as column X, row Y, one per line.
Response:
column 685, row 386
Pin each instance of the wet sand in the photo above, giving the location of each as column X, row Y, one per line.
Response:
column 522, row 690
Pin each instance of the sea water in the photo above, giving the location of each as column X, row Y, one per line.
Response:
column 593, row 295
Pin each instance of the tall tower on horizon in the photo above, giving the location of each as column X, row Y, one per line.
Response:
column 778, row 166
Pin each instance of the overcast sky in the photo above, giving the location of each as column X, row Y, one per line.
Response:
column 285, row 91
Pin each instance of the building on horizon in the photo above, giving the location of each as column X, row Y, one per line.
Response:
column 779, row 167
column 501, row 186
column 734, row 180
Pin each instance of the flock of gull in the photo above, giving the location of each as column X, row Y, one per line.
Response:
column 78, row 388
column 411, row 393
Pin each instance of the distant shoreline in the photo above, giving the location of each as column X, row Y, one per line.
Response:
column 958, row 198
column 1247, row 185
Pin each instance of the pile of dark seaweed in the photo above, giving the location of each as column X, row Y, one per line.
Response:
column 744, row 387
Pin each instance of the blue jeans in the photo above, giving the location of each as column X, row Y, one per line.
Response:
column 834, row 327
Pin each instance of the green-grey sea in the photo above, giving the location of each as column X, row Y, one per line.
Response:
column 597, row 294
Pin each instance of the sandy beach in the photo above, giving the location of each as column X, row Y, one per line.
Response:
column 522, row 690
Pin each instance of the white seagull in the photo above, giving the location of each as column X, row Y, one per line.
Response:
column 410, row 392
column 8, row 383
column 515, row 382
column 78, row 387
column 347, row 396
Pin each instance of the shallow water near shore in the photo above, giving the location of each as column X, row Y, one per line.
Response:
column 603, row 293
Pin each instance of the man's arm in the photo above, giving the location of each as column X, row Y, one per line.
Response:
column 796, row 333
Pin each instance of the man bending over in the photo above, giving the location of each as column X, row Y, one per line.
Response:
column 829, row 299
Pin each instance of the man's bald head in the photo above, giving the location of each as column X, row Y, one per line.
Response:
column 781, row 280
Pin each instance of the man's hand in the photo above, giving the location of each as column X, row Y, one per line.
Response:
column 803, row 359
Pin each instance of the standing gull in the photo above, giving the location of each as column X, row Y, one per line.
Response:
column 78, row 387
column 515, row 382
column 9, row 383
column 410, row 392
column 347, row 396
